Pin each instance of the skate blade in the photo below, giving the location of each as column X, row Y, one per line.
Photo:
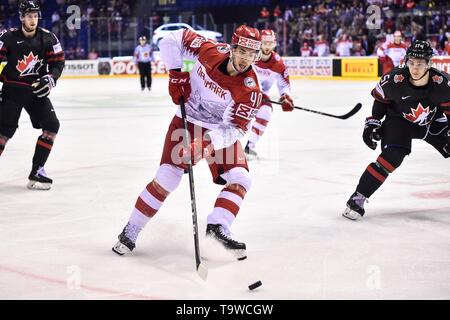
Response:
column 120, row 249
column 36, row 185
column 350, row 214
column 251, row 157
column 240, row 254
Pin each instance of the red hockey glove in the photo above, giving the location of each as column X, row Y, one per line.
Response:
column 179, row 85
column 286, row 103
column 371, row 132
column 198, row 149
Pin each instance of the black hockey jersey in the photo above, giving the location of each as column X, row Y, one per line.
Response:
column 30, row 58
column 419, row 105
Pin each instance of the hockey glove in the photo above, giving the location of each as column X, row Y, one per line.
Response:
column 198, row 149
column 447, row 146
column 179, row 85
column 286, row 103
column 43, row 86
column 371, row 132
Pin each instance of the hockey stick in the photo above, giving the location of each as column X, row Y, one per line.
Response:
column 201, row 269
column 345, row 116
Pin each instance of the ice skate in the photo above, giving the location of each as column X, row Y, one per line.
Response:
column 38, row 179
column 126, row 244
column 217, row 232
column 355, row 206
column 250, row 152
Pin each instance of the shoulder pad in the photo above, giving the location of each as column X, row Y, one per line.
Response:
column 276, row 56
column 45, row 30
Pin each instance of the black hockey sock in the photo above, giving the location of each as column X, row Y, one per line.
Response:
column 44, row 145
column 374, row 176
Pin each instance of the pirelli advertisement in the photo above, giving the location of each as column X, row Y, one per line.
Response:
column 360, row 67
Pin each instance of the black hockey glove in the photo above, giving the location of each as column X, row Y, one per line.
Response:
column 43, row 86
column 447, row 146
column 371, row 132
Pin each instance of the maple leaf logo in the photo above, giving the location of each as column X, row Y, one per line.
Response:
column 422, row 116
column 398, row 78
column 437, row 79
column 29, row 66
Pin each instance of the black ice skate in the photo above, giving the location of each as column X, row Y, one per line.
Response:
column 217, row 232
column 355, row 206
column 38, row 179
column 250, row 153
column 125, row 244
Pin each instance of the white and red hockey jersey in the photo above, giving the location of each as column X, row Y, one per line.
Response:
column 395, row 51
column 273, row 70
column 223, row 104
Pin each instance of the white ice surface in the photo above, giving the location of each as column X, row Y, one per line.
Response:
column 57, row 244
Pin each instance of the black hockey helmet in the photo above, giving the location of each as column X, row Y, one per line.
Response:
column 419, row 49
column 26, row 6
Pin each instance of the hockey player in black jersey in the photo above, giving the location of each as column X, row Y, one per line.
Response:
column 414, row 100
column 35, row 61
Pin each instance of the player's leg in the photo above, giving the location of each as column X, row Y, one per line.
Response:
column 229, row 168
column 150, row 200
column 43, row 116
column 396, row 139
column 9, row 118
column 141, row 75
column 149, row 75
column 259, row 126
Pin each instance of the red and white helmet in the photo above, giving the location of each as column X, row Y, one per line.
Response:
column 268, row 35
column 247, row 37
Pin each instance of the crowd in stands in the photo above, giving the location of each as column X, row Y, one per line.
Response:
column 323, row 27
column 340, row 27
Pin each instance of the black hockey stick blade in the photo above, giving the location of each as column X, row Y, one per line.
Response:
column 344, row 116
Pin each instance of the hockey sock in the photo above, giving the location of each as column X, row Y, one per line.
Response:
column 377, row 172
column 227, row 206
column 44, row 145
column 260, row 124
column 151, row 199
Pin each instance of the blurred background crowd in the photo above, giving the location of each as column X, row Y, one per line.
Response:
column 110, row 28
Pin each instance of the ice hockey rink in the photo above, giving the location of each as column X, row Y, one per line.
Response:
column 57, row 244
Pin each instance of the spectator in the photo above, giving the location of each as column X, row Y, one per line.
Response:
column 306, row 50
column 93, row 54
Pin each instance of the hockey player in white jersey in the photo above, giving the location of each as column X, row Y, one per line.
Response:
column 222, row 96
column 270, row 69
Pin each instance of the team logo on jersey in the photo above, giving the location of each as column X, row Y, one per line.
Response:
column 437, row 79
column 398, row 78
column 246, row 112
column 420, row 115
column 29, row 66
column 197, row 42
column 223, row 49
column 249, row 82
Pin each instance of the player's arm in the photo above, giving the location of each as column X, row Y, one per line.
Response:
column 284, row 88
column 372, row 124
column 4, row 35
column 180, row 44
column 55, row 57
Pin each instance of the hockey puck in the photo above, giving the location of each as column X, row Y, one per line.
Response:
column 255, row 285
